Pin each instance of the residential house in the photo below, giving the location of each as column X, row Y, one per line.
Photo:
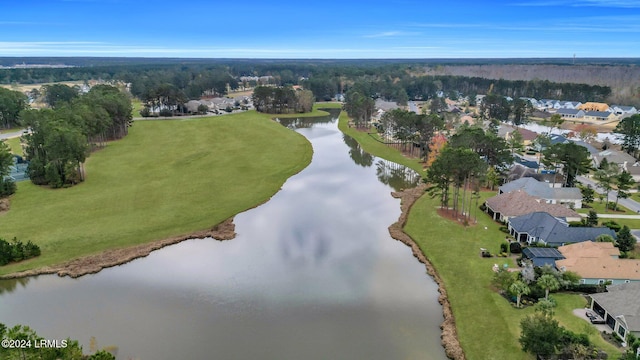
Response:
column 567, row 104
column 519, row 170
column 546, row 104
column 623, row 111
column 621, row 158
column 541, row 227
column 590, row 148
column 385, row 105
column 505, row 206
column 192, row 106
column 542, row 190
column 467, row 119
column 531, row 164
column 634, row 170
column 620, row 308
column 542, row 256
column 532, row 101
column 506, row 132
column 558, row 139
column 598, row 263
column 594, row 106
column 570, row 113
column 599, row 115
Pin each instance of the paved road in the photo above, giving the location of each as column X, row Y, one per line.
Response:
column 628, row 203
column 10, row 135
column 614, row 216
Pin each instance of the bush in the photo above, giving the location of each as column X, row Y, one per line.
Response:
column 166, row 113
column 612, row 206
column 612, row 225
column 146, row 112
column 515, row 247
column 503, row 247
column 17, row 251
column 482, row 207
column 504, row 229
column 577, row 223
column 7, row 187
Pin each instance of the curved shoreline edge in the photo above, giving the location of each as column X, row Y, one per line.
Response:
column 109, row 258
column 449, row 336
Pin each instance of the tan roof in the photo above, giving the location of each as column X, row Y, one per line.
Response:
column 602, row 268
column 468, row 119
column 597, row 260
column 518, row 203
column 589, row 249
column 594, row 106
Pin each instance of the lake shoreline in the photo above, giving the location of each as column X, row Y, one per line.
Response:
column 93, row 264
column 449, row 336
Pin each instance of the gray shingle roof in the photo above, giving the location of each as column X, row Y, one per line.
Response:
column 542, row 190
column 554, row 232
column 598, row 113
column 564, row 111
column 622, row 300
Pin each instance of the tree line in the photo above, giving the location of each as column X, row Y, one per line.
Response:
column 61, row 137
column 282, row 100
column 393, row 80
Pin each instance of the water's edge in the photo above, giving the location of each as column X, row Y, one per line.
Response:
column 449, row 336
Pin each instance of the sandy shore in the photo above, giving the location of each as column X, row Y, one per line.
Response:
column 449, row 335
column 94, row 263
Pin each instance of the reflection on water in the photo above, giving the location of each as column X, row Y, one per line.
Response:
column 307, row 122
column 312, row 274
column 8, row 286
column 389, row 173
column 395, row 175
column 356, row 153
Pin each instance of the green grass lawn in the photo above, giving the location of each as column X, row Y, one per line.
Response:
column 376, row 148
column 166, row 178
column 137, row 106
column 600, row 208
column 14, row 145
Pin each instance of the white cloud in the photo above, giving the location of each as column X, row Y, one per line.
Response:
column 386, row 34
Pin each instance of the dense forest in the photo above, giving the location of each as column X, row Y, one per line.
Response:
column 399, row 80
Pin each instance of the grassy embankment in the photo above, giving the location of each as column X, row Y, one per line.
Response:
column 166, row 178
column 376, row 148
column 488, row 326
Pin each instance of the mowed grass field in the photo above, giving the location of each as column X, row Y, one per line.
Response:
column 166, row 178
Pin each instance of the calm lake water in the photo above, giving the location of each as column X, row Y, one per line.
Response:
column 312, row 274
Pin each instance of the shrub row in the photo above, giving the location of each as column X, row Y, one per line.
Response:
column 16, row 250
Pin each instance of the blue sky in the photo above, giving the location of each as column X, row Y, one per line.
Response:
column 321, row 29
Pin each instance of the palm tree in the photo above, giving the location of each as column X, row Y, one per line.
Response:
column 519, row 288
column 548, row 282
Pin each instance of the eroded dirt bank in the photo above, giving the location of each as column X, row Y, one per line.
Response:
column 94, row 263
column 449, row 335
